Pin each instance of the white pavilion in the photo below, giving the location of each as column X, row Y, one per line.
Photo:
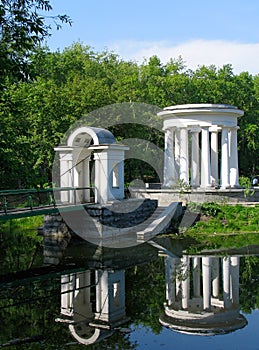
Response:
column 201, row 145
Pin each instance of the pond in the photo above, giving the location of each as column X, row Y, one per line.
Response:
column 162, row 294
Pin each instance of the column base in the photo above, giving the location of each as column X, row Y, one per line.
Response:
column 236, row 186
column 207, row 187
column 225, row 187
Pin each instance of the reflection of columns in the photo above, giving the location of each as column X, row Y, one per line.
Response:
column 67, row 290
column 184, row 166
column 233, row 157
column 224, row 158
column 206, row 281
column 185, row 282
column 75, row 295
column 170, row 269
column 196, row 274
column 214, row 155
column 235, row 280
column 226, row 282
column 215, row 277
column 169, row 163
column 205, row 158
column 195, row 160
column 110, row 295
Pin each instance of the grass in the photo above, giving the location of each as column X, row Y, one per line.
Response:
column 225, row 226
column 215, row 218
column 23, row 224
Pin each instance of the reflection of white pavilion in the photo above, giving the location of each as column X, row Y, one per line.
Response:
column 202, row 295
column 193, row 133
column 93, row 319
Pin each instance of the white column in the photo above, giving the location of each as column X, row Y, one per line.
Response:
column 177, row 149
column 234, row 276
column 205, row 158
column 226, row 282
column 169, row 162
column 206, row 282
column 86, row 179
column 185, row 282
column 224, row 158
column 184, row 164
column 196, row 277
column 214, row 155
column 66, row 177
column 98, row 176
column 233, row 158
column 195, row 160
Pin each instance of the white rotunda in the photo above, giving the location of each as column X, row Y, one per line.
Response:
column 201, row 145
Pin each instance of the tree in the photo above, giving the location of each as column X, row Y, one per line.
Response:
column 22, row 28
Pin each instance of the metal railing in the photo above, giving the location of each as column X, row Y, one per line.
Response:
column 33, row 199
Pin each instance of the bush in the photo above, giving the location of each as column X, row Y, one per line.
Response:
column 210, row 209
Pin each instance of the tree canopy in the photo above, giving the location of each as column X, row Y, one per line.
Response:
column 65, row 85
column 23, row 27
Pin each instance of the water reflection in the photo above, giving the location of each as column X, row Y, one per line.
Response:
column 91, row 293
column 93, row 304
column 202, row 294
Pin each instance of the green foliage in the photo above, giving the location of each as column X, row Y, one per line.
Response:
column 64, row 86
column 20, row 244
column 23, row 27
column 210, row 209
column 145, row 307
column 227, row 219
column 246, row 183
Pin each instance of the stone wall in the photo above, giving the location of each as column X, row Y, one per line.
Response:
column 228, row 196
column 123, row 214
column 126, row 213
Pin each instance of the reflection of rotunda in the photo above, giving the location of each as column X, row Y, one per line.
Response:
column 202, row 295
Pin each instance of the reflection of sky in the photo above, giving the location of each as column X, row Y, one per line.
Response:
column 246, row 338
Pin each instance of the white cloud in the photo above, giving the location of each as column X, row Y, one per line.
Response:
column 242, row 56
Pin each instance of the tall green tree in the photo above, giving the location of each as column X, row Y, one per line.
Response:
column 22, row 28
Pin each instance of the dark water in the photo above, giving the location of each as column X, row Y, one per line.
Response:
column 71, row 294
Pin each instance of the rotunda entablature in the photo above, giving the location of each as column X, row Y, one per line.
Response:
column 205, row 115
column 206, row 323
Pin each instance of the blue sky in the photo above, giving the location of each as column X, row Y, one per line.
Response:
column 201, row 31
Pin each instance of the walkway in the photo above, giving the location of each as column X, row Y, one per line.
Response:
column 33, row 202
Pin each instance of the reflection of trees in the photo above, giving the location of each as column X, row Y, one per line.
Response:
column 249, row 283
column 19, row 250
column 145, row 294
column 37, row 304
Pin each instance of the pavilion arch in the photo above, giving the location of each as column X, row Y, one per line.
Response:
column 83, row 144
column 86, row 136
column 80, row 331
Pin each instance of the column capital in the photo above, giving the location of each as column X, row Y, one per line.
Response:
column 215, row 128
column 169, row 128
column 194, row 128
column 234, row 127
